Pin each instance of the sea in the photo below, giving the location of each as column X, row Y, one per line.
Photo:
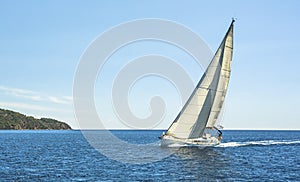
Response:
column 68, row 155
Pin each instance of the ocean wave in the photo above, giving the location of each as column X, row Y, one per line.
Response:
column 262, row 143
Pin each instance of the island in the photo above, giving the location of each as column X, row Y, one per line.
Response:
column 10, row 120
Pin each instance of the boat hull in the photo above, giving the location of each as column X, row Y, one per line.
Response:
column 169, row 141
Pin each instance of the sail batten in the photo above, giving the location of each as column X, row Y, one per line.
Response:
column 204, row 105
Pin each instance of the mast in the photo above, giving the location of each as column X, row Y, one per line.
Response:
column 204, row 105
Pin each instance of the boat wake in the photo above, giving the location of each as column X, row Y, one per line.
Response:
column 258, row 143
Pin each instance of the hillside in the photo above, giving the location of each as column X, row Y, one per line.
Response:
column 10, row 120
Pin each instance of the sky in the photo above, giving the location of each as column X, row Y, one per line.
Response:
column 41, row 43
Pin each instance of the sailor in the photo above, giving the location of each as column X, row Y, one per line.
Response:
column 163, row 134
column 220, row 137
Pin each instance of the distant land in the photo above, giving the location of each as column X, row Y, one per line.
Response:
column 10, row 120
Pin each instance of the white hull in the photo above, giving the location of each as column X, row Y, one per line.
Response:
column 169, row 141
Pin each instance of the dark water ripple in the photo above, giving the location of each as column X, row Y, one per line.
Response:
column 67, row 156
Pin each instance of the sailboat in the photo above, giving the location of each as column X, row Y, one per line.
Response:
column 197, row 122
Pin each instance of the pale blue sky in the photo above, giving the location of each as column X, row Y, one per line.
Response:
column 41, row 43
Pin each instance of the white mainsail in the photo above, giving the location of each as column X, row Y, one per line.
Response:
column 204, row 105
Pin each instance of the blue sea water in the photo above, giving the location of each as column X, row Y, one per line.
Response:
column 67, row 156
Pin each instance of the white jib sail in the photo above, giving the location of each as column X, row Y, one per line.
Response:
column 204, row 105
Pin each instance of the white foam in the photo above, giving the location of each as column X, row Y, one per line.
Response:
column 263, row 142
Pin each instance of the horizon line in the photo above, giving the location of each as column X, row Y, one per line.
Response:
column 160, row 129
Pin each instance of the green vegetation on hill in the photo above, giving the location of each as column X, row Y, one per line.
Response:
column 10, row 120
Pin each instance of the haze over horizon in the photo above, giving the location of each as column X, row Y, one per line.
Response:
column 42, row 43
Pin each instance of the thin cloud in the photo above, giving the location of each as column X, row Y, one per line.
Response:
column 17, row 105
column 36, row 96
column 60, row 100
